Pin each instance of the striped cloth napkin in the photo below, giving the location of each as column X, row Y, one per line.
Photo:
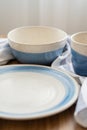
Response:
column 80, row 113
column 5, row 51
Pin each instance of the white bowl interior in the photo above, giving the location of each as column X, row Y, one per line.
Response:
column 36, row 35
column 80, row 37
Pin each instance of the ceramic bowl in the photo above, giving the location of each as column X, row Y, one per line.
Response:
column 79, row 52
column 37, row 44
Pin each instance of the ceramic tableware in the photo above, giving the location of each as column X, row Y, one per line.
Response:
column 79, row 52
column 34, row 91
column 37, row 44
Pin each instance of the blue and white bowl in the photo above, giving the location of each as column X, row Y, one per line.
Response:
column 79, row 52
column 37, row 44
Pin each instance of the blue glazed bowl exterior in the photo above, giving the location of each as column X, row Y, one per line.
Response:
column 37, row 58
column 79, row 63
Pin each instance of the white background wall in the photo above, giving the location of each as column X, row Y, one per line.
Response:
column 77, row 17
column 15, row 13
column 69, row 15
column 54, row 13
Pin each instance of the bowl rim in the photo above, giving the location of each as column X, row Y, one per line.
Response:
column 78, row 43
column 48, row 27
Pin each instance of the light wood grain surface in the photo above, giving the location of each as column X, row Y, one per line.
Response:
column 63, row 121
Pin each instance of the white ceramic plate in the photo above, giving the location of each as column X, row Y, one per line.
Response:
column 32, row 91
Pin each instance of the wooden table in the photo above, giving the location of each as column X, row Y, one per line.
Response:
column 63, row 121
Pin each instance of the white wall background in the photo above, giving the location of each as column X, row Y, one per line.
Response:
column 15, row 13
column 69, row 15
